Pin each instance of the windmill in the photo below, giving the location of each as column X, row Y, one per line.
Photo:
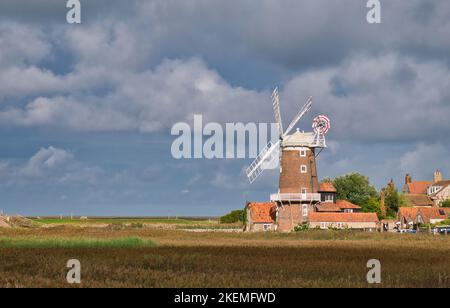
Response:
column 271, row 152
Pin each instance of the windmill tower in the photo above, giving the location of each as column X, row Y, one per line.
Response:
column 298, row 190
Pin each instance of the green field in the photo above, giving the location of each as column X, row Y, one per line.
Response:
column 123, row 242
column 65, row 220
column 154, row 256
column 138, row 222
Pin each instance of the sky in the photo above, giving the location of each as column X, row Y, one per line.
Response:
column 86, row 110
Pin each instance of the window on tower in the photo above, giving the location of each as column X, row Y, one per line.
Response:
column 303, row 153
column 303, row 169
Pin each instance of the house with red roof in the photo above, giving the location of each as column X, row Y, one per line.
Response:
column 357, row 221
column 426, row 193
column 440, row 192
column 328, row 214
column 413, row 217
column 330, row 203
column 416, row 192
column 261, row 216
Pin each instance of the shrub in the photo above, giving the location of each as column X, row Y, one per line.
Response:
column 233, row 217
column 444, row 223
column 301, row 227
column 446, row 203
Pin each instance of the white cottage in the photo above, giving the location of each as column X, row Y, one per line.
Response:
column 439, row 192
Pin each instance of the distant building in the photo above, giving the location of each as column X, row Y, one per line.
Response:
column 342, row 206
column 328, row 192
column 348, row 207
column 358, row 221
column 413, row 217
column 426, row 193
column 261, row 216
column 418, row 200
column 414, row 187
column 439, row 192
column 388, row 225
column 330, row 213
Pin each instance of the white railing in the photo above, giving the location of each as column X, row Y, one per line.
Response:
column 294, row 197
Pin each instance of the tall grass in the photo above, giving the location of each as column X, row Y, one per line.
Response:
column 125, row 242
column 77, row 221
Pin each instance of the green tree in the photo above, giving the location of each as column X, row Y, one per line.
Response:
column 393, row 200
column 373, row 205
column 233, row 217
column 355, row 188
column 445, row 203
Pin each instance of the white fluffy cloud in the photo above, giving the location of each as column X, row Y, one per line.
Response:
column 45, row 160
column 141, row 66
column 126, row 76
column 49, row 166
column 147, row 101
column 389, row 98
column 21, row 44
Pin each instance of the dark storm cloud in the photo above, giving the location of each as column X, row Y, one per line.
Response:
column 353, row 67
column 52, row 12
column 140, row 66
column 290, row 34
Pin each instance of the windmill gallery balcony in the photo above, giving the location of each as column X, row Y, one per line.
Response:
column 295, row 197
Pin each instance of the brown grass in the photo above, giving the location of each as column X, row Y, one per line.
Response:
column 185, row 259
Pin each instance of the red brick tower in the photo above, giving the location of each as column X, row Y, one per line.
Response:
column 298, row 190
column 298, row 171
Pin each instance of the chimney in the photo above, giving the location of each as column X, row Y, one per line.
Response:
column 437, row 176
column 391, row 185
column 383, row 203
column 408, row 179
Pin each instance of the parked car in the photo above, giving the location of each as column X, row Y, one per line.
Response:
column 411, row 231
column 442, row 230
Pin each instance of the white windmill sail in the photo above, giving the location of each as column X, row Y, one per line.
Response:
column 270, row 155
column 265, row 160
column 303, row 111
column 276, row 110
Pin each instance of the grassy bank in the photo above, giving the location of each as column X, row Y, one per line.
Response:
column 75, row 221
column 126, row 242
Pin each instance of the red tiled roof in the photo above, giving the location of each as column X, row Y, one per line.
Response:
column 418, row 200
column 418, row 188
column 409, row 213
column 343, row 217
column 327, row 187
column 344, row 204
column 262, row 212
column 427, row 213
column 434, row 213
column 328, row 207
